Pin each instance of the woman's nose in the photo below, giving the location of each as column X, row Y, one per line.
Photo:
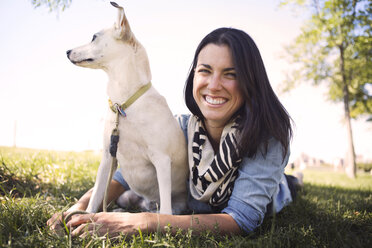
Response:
column 214, row 82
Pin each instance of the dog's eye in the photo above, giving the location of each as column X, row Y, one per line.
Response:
column 94, row 37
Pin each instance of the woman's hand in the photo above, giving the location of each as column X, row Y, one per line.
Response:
column 111, row 223
column 55, row 223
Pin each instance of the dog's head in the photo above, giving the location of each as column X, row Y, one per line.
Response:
column 108, row 46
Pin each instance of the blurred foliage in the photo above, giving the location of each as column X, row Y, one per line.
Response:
column 365, row 166
column 334, row 47
column 52, row 5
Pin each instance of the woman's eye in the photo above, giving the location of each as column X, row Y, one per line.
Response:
column 94, row 37
column 231, row 75
column 203, row 71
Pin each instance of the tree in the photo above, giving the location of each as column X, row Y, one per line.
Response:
column 334, row 48
column 53, row 5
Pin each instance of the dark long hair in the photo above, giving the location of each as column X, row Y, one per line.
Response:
column 262, row 114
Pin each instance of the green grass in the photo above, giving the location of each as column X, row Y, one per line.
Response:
column 331, row 210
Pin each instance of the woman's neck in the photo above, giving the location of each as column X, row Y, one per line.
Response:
column 214, row 134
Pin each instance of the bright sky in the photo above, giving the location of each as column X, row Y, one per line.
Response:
column 56, row 105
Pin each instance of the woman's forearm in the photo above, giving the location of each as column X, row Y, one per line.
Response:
column 218, row 223
column 115, row 190
column 82, row 203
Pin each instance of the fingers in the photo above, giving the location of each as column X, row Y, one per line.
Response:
column 79, row 219
column 79, row 230
column 53, row 219
column 88, row 229
column 55, row 222
column 79, row 225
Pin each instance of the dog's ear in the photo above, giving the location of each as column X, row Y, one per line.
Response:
column 122, row 29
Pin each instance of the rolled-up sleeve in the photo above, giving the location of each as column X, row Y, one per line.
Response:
column 256, row 186
column 119, row 178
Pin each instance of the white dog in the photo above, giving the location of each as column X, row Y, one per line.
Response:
column 152, row 150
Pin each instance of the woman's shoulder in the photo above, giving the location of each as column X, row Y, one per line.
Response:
column 270, row 155
column 183, row 120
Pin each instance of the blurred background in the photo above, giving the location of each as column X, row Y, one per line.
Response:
column 48, row 103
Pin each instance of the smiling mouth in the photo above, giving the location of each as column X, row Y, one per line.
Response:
column 215, row 100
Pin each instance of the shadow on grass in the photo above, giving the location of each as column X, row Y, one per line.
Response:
column 30, row 185
column 322, row 216
column 17, row 186
column 26, row 203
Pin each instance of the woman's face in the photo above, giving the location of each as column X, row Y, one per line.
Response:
column 215, row 88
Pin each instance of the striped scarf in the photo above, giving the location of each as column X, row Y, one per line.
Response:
column 212, row 175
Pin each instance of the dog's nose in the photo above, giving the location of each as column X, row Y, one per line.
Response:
column 68, row 53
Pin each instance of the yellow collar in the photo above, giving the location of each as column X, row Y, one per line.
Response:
column 116, row 107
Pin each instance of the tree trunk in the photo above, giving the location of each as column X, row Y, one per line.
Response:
column 350, row 158
column 350, row 165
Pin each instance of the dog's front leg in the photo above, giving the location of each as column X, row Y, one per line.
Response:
column 162, row 165
column 101, row 182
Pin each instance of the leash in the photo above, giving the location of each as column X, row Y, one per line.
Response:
column 114, row 140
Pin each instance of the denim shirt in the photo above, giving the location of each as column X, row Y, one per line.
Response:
column 261, row 182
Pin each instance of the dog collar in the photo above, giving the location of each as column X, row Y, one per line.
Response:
column 120, row 108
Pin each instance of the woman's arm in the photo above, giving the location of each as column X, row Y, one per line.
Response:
column 256, row 186
column 129, row 223
column 218, row 223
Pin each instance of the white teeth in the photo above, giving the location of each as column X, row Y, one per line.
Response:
column 215, row 101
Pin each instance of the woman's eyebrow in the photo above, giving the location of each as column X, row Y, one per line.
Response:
column 210, row 67
column 205, row 65
column 229, row 69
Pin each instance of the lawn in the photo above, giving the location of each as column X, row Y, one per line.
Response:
column 331, row 211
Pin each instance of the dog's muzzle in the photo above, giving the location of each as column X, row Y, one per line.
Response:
column 68, row 52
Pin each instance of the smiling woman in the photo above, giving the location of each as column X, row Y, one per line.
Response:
column 240, row 76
